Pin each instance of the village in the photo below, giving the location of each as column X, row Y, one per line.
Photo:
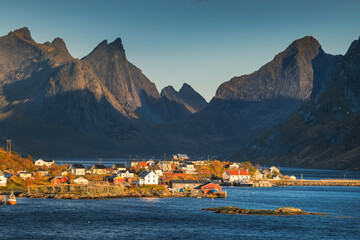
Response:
column 180, row 176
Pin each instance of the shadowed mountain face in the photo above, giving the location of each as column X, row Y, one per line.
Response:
column 271, row 94
column 102, row 95
column 324, row 132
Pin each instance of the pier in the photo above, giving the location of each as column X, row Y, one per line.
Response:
column 61, row 190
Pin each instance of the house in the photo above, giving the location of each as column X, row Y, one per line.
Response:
column 63, row 179
column 143, row 165
column 188, row 167
column 209, row 187
column 3, row 179
column 98, row 169
column 190, row 184
column 77, row 169
column 118, row 180
column 258, row 175
column 147, row 178
column 41, row 162
column 130, row 163
column 235, row 165
column 157, row 171
column 55, row 180
column 118, row 167
column 236, row 176
column 197, row 162
column 274, row 169
column 166, row 166
column 42, row 172
column 292, row 177
column 125, row 174
column 276, row 177
column 180, row 157
column 178, row 173
column 81, row 180
column 25, row 175
column 150, row 162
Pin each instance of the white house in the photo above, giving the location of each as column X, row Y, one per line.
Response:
column 81, row 180
column 118, row 167
column 236, row 175
column 235, row 165
column 125, row 174
column 41, row 162
column 3, row 179
column 274, row 169
column 77, row 169
column 147, row 178
column 25, row 175
column 189, row 168
column 180, row 157
column 292, row 177
column 158, row 171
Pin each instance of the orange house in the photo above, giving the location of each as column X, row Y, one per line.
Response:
column 55, row 181
column 118, row 180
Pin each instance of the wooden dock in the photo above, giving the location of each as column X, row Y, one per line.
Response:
column 76, row 189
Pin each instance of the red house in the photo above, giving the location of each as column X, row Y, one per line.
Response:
column 64, row 179
column 143, row 165
column 210, row 187
column 55, row 181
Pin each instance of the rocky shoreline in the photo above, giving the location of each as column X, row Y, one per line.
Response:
column 284, row 211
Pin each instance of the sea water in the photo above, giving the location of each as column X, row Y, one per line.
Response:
column 182, row 218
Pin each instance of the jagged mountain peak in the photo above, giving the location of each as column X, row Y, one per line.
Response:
column 23, row 33
column 167, row 90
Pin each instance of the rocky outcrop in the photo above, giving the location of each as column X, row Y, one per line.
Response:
column 284, row 211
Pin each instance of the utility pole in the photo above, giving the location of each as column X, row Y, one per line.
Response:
column 164, row 156
column 100, row 161
column 8, row 145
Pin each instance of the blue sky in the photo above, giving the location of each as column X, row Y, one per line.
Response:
column 203, row 43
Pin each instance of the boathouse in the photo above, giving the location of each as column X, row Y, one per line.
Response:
column 209, row 187
column 236, row 176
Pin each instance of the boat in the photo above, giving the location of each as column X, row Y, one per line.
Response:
column 12, row 199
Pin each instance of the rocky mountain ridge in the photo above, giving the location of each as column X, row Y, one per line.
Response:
column 323, row 133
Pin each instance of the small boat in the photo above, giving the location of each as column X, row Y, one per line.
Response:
column 12, row 199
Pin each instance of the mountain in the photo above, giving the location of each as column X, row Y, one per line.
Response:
column 99, row 104
column 324, row 132
column 185, row 102
column 271, row 94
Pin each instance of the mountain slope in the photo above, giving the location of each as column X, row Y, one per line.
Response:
column 100, row 104
column 271, row 94
column 324, row 132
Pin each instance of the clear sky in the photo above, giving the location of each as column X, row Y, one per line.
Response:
column 200, row 42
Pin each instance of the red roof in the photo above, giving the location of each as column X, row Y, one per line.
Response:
column 143, row 164
column 236, row 172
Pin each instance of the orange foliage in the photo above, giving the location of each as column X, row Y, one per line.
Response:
column 15, row 162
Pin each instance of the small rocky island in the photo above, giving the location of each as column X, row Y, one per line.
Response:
column 284, row 211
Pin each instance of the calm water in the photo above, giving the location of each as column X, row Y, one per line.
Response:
column 181, row 218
